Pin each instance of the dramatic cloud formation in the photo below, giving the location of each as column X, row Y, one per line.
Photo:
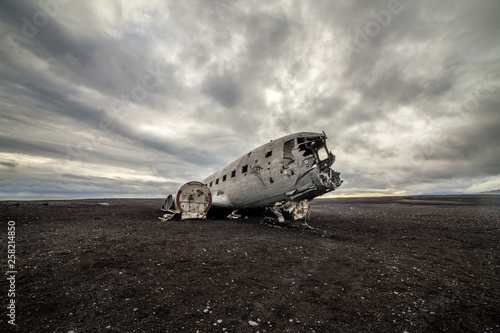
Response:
column 129, row 98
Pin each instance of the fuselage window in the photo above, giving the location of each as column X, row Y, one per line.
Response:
column 217, row 181
column 210, row 184
column 224, row 178
column 287, row 150
column 233, row 173
column 244, row 169
column 269, row 153
column 323, row 154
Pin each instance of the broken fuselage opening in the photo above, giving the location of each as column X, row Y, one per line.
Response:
column 192, row 201
column 316, row 147
column 313, row 162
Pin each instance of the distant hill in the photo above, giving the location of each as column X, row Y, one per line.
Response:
column 443, row 193
column 491, row 192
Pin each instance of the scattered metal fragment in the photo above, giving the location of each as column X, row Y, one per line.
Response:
column 233, row 215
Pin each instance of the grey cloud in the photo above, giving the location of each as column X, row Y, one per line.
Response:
column 48, row 39
column 9, row 144
column 88, row 187
column 9, row 164
column 224, row 90
column 267, row 37
column 215, row 69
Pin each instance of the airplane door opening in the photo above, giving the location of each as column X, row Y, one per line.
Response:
column 287, row 152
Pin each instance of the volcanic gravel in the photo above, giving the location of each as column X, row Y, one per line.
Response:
column 392, row 264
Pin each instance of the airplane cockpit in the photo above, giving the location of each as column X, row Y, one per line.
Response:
column 316, row 147
column 310, row 160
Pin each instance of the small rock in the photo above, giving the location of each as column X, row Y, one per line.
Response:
column 253, row 323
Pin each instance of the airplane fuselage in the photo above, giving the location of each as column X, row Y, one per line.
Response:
column 295, row 167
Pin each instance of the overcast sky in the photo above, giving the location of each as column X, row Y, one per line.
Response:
column 134, row 98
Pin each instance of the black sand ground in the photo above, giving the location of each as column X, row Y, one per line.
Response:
column 414, row 264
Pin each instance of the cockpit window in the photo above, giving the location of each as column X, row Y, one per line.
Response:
column 305, row 151
column 322, row 154
column 313, row 146
column 307, row 144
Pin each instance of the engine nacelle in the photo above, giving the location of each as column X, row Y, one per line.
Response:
column 192, row 201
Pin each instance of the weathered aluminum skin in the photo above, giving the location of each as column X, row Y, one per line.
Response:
column 290, row 168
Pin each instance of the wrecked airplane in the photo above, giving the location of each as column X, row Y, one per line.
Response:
column 281, row 176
